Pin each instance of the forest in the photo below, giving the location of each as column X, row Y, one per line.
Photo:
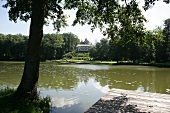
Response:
column 54, row 46
column 152, row 46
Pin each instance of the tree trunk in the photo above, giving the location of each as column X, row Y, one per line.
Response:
column 28, row 85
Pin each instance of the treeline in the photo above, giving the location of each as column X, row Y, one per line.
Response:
column 154, row 46
column 54, row 46
column 126, row 43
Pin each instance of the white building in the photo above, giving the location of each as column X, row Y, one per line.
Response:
column 83, row 47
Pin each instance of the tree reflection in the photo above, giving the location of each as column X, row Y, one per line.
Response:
column 69, row 77
column 133, row 77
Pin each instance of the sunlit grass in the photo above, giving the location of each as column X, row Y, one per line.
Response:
column 8, row 104
column 84, row 61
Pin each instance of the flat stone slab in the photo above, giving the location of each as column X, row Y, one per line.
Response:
column 127, row 101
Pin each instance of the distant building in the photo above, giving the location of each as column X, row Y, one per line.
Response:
column 83, row 47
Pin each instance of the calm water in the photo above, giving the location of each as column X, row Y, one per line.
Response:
column 74, row 88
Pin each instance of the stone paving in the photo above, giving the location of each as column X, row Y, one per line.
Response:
column 126, row 101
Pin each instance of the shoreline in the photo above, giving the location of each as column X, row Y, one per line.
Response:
column 160, row 65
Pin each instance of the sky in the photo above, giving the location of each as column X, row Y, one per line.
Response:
column 155, row 16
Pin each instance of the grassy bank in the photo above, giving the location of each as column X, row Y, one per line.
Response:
column 63, row 61
column 10, row 105
column 70, row 61
column 73, row 61
column 163, row 65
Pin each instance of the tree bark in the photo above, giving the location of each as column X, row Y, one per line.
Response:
column 27, row 88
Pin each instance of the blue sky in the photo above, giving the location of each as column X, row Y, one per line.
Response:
column 155, row 16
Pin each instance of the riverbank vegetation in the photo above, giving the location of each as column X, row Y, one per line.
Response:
column 54, row 46
column 11, row 105
column 152, row 47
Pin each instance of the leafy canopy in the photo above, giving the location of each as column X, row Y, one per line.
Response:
column 108, row 15
column 22, row 9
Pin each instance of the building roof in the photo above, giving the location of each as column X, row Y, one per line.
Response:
column 84, row 45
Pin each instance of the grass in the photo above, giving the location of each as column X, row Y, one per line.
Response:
column 69, row 61
column 164, row 65
column 10, row 105
column 84, row 61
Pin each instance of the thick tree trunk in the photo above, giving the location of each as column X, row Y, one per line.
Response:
column 28, row 85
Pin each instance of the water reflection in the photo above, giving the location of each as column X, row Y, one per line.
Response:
column 140, row 89
column 132, row 77
column 63, row 103
column 73, row 88
column 89, row 66
column 103, row 89
column 76, row 100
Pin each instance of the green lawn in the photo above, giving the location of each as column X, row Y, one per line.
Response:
column 84, row 61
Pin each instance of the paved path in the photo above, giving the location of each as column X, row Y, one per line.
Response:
column 127, row 101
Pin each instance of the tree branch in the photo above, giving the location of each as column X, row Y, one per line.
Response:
column 126, row 2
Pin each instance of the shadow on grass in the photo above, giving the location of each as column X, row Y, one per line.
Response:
column 8, row 103
column 115, row 105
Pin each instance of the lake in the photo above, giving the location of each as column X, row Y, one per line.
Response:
column 74, row 88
